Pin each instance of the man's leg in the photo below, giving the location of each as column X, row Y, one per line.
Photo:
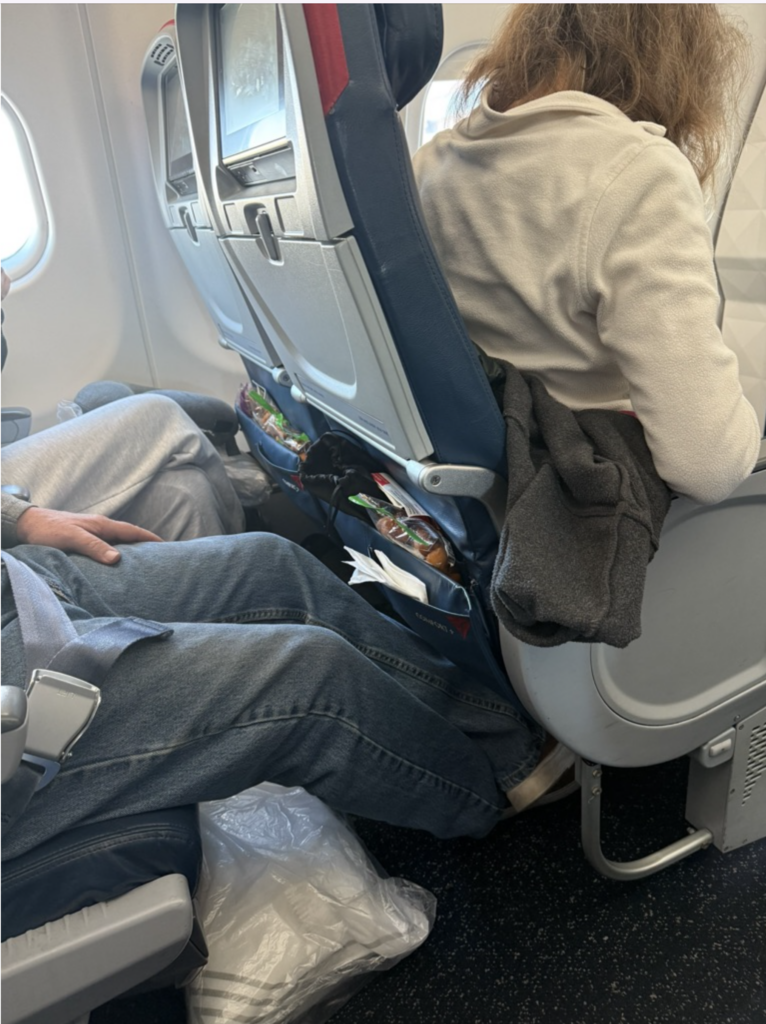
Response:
column 219, row 708
column 121, row 458
column 181, row 504
column 261, row 579
column 374, row 724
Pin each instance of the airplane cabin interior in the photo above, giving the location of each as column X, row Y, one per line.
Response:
column 217, row 202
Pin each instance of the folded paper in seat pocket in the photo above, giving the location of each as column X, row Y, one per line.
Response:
column 367, row 570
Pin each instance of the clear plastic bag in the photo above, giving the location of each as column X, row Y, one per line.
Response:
column 67, row 410
column 295, row 915
column 255, row 401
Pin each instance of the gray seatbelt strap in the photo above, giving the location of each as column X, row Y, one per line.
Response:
column 45, row 627
column 51, row 642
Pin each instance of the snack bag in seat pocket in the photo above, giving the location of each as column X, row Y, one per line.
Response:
column 419, row 535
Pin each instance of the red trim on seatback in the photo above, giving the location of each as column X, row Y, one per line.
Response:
column 326, row 41
column 460, row 624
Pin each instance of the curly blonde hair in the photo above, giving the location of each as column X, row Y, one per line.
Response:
column 680, row 65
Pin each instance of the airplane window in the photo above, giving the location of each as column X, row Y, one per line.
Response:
column 442, row 107
column 24, row 218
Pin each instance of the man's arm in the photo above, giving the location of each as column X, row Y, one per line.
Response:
column 73, row 532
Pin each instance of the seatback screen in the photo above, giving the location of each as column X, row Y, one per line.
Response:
column 178, row 140
column 251, row 95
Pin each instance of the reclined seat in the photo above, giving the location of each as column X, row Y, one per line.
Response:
column 317, row 214
column 696, row 678
column 314, row 203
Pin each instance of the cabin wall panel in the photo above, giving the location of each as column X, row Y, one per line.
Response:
column 74, row 319
column 180, row 333
column 112, row 298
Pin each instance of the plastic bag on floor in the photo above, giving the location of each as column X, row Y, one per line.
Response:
column 295, row 915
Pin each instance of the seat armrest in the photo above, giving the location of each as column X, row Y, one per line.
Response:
column 15, row 722
column 68, row 967
column 15, row 425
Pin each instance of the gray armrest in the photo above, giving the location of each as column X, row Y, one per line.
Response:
column 56, row 973
column 15, row 424
column 15, row 722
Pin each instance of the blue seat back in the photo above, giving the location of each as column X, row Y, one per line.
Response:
column 326, row 236
column 390, row 52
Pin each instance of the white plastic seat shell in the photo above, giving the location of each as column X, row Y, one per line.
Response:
column 700, row 664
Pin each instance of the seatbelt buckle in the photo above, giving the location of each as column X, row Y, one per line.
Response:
column 61, row 708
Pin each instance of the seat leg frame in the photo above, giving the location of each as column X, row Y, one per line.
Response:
column 591, row 788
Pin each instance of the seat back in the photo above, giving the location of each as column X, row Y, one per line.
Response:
column 310, row 188
column 186, row 213
column 334, row 256
column 184, row 208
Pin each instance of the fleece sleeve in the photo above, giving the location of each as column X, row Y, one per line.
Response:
column 648, row 271
column 11, row 509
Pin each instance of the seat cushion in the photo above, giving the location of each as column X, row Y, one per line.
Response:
column 98, row 862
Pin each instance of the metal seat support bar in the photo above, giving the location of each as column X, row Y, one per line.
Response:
column 625, row 871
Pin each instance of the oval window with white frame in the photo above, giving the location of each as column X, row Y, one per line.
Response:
column 442, row 107
column 24, row 219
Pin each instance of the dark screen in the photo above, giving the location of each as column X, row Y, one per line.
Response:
column 178, row 140
column 251, row 86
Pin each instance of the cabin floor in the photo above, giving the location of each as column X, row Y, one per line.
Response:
column 527, row 932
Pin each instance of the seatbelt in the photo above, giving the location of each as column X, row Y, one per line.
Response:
column 50, row 640
column 51, row 643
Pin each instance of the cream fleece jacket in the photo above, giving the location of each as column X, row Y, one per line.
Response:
column 576, row 245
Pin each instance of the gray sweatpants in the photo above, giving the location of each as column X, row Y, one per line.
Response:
column 141, row 459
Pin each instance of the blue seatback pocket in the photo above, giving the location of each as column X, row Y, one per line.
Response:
column 282, row 464
column 452, row 622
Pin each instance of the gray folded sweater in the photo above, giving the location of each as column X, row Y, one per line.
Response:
column 583, row 518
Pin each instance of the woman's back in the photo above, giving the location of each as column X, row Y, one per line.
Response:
column 510, row 200
column 576, row 245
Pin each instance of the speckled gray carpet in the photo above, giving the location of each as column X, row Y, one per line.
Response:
column 528, row 933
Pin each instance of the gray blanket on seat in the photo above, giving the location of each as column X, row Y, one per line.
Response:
column 583, row 518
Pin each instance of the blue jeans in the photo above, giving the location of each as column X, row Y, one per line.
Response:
column 276, row 671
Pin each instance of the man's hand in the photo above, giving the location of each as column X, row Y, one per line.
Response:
column 79, row 534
